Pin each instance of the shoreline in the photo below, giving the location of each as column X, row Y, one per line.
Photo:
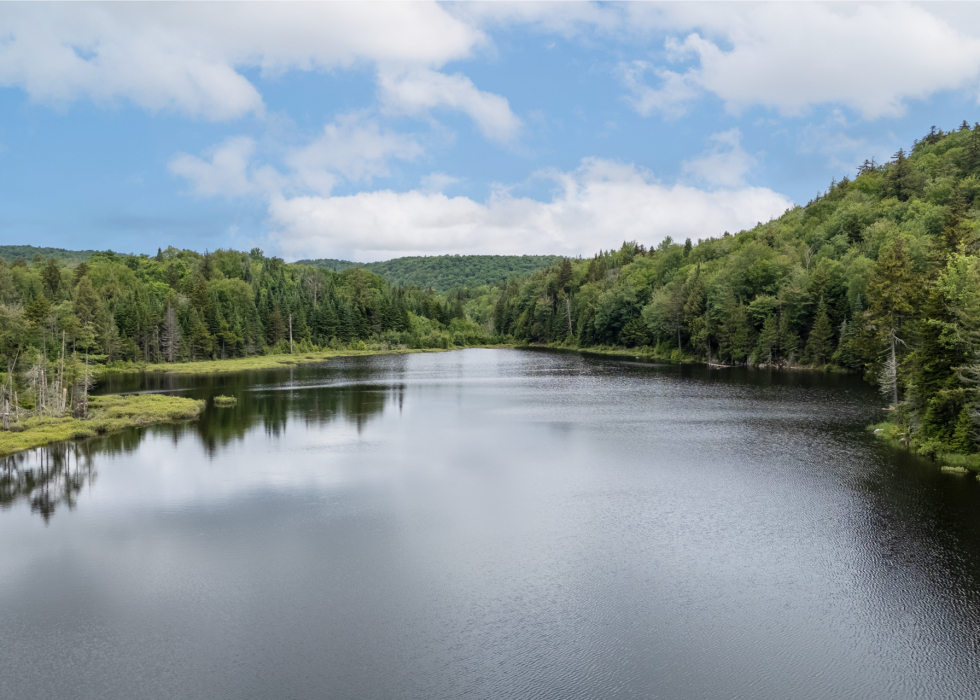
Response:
column 110, row 413
column 124, row 412
column 260, row 362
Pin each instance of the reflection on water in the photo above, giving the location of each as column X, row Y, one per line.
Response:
column 45, row 478
column 313, row 395
column 505, row 524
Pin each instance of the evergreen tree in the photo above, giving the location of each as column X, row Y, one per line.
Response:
column 820, row 345
column 789, row 339
column 892, row 288
column 51, row 274
column 768, row 344
column 901, row 178
column 964, row 434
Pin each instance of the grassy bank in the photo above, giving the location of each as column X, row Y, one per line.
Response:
column 244, row 364
column 257, row 362
column 896, row 436
column 644, row 353
column 107, row 414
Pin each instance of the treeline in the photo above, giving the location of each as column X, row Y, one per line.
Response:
column 444, row 273
column 10, row 253
column 180, row 305
column 878, row 275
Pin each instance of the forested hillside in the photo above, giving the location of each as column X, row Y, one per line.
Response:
column 180, row 305
column 446, row 272
column 10, row 253
column 879, row 275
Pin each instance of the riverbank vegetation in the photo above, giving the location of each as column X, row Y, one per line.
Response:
column 64, row 321
column 879, row 275
column 255, row 362
column 105, row 414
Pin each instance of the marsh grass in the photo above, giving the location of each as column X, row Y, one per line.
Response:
column 225, row 401
column 244, row 364
column 107, row 414
column 949, row 463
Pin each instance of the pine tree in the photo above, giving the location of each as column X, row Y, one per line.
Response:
column 276, row 327
column 901, row 178
column 768, row 343
column 38, row 310
column 964, row 434
column 733, row 333
column 51, row 275
column 972, row 158
column 789, row 339
column 820, row 345
column 892, row 290
column 201, row 343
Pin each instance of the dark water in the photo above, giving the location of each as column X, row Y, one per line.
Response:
column 493, row 524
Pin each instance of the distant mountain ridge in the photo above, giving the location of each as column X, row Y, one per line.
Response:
column 27, row 253
column 439, row 272
column 445, row 272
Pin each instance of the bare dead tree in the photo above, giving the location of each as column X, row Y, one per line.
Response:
column 171, row 335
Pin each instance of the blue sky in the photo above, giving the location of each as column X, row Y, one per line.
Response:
column 369, row 131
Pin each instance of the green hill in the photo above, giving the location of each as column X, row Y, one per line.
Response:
column 445, row 272
column 879, row 275
column 27, row 253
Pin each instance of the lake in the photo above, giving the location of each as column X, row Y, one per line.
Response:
column 493, row 524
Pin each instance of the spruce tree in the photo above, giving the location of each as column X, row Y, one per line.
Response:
column 964, row 440
column 820, row 345
column 768, row 344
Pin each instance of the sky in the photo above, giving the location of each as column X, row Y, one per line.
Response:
column 369, row 130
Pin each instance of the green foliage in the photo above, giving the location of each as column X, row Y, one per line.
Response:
column 888, row 260
column 107, row 414
column 179, row 306
column 445, row 272
column 10, row 253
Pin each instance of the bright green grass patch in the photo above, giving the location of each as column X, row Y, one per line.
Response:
column 225, row 401
column 244, row 364
column 107, row 414
column 949, row 463
column 645, row 352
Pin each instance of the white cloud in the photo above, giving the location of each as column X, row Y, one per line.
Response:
column 353, row 147
column 790, row 56
column 438, row 182
column 598, row 205
column 226, row 174
column 726, row 162
column 671, row 99
column 418, row 90
column 185, row 57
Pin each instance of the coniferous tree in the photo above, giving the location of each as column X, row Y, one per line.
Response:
column 768, row 345
column 820, row 345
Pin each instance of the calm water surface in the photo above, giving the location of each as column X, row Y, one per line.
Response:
column 493, row 524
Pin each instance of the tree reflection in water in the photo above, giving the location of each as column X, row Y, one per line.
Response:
column 49, row 477
column 45, row 478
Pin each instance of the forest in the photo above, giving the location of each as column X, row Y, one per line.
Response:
column 879, row 275
column 10, row 253
column 61, row 321
column 444, row 273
